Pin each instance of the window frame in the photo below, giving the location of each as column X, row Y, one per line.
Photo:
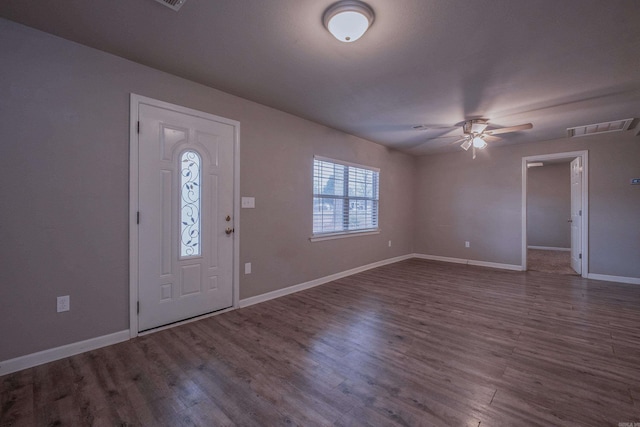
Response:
column 346, row 201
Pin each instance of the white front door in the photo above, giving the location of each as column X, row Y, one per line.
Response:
column 186, row 213
column 576, row 215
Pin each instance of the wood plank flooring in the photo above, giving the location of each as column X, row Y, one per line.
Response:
column 416, row 343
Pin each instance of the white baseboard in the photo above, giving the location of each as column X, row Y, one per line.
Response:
column 549, row 248
column 316, row 282
column 441, row 258
column 322, row 280
column 50, row 355
column 46, row 356
column 619, row 279
column 513, row 267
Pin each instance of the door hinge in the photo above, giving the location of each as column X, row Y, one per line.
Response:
column 138, row 307
column 580, row 212
column 138, row 126
column 580, row 256
column 138, row 217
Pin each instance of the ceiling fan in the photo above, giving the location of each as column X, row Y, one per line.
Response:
column 475, row 132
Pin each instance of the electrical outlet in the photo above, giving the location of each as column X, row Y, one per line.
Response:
column 467, row 244
column 64, row 303
column 389, row 243
column 247, row 268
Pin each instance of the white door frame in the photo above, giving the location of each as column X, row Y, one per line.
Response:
column 136, row 101
column 584, row 155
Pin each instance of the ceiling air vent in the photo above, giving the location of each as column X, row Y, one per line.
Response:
column 173, row 4
column 598, row 128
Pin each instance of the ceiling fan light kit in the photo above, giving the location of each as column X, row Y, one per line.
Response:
column 475, row 126
column 478, row 142
column 475, row 131
column 348, row 20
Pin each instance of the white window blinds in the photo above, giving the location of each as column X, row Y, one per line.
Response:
column 345, row 197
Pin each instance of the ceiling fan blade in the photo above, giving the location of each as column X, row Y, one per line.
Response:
column 457, row 141
column 490, row 138
column 509, row 129
column 432, row 127
column 445, row 137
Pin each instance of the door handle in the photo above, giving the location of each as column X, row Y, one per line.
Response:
column 229, row 230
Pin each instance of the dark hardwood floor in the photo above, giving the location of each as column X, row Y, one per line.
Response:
column 413, row 343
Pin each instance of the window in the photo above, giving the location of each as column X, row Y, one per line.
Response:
column 189, row 204
column 345, row 197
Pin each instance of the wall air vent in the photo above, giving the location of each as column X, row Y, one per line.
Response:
column 598, row 128
column 173, row 4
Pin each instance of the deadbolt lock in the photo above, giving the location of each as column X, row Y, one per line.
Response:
column 228, row 218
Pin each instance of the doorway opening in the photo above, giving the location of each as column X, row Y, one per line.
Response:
column 554, row 213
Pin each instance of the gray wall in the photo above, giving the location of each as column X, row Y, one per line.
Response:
column 479, row 200
column 549, row 205
column 64, row 165
column 460, row 199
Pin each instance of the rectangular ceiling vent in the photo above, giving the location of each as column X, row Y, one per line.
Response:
column 598, row 128
column 173, row 4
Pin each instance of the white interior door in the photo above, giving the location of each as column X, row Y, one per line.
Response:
column 186, row 213
column 576, row 215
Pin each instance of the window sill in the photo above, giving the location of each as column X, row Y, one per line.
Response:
column 321, row 237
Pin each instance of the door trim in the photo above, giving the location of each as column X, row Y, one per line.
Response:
column 135, row 102
column 584, row 155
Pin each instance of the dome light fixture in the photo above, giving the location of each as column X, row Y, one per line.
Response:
column 348, row 20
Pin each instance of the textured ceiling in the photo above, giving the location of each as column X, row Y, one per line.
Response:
column 555, row 63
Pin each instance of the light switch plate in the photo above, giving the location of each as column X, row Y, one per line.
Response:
column 63, row 303
column 249, row 202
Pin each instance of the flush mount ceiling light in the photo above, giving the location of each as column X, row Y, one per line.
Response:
column 348, row 20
